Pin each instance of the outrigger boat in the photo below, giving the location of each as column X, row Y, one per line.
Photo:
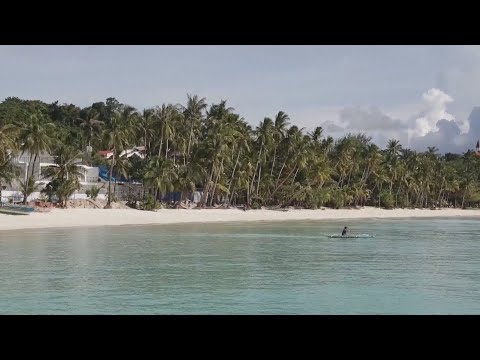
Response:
column 354, row 236
column 16, row 209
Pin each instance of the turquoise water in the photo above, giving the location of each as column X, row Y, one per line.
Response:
column 423, row 266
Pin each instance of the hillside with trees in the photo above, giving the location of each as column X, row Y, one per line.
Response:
column 212, row 148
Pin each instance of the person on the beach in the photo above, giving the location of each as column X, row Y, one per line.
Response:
column 344, row 232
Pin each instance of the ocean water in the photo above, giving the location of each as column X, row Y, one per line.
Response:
column 412, row 266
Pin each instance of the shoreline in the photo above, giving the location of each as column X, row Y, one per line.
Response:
column 69, row 218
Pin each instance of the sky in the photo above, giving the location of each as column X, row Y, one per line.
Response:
column 421, row 95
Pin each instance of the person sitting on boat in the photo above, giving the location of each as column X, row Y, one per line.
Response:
column 344, row 232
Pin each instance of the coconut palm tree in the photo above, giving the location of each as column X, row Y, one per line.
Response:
column 27, row 188
column 91, row 124
column 9, row 171
column 193, row 115
column 36, row 136
column 117, row 137
column 122, row 168
column 186, row 178
column 160, row 175
column 67, row 161
column 279, row 131
column 65, row 174
column 8, row 134
column 146, row 130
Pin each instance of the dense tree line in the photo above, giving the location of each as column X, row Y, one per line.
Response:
column 213, row 148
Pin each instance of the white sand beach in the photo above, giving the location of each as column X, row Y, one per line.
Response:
column 59, row 218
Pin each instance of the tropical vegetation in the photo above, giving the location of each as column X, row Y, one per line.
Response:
column 213, row 149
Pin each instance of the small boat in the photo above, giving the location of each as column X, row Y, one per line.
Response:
column 16, row 209
column 351, row 236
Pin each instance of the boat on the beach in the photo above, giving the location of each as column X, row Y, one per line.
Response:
column 16, row 209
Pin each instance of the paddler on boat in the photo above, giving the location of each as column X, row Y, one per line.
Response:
column 345, row 230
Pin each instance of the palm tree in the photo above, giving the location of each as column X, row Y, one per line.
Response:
column 8, row 169
column 392, row 153
column 8, row 133
column 264, row 141
column 219, row 135
column 65, row 174
column 160, row 175
column 67, row 160
column 193, row 115
column 165, row 118
column 7, row 147
column 91, row 124
column 36, row 136
column 27, row 188
column 242, row 147
column 146, row 130
column 122, row 168
column 66, row 189
column 116, row 137
column 280, row 129
column 186, row 178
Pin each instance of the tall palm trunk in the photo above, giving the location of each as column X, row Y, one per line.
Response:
column 231, row 178
column 294, row 176
column 33, row 165
column 280, row 173
column 190, row 139
column 109, row 198
column 259, row 177
column 396, row 197
column 115, row 185
column 229, row 197
column 256, row 167
column 281, row 184
column 156, row 196
column 216, row 182
column 366, row 173
column 379, row 192
column 273, row 163
column 161, row 142
column 27, row 178
column 206, row 187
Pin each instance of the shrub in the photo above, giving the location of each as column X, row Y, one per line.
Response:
column 92, row 192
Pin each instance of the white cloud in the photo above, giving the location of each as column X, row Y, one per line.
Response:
column 435, row 108
column 372, row 118
column 413, row 124
column 325, row 116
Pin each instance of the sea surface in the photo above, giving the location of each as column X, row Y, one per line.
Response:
column 412, row 266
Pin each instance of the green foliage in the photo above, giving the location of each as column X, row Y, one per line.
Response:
column 27, row 188
column 43, row 197
column 387, row 200
column 66, row 189
column 150, row 204
column 92, row 192
column 50, row 190
column 215, row 149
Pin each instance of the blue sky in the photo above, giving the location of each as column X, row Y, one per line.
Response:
column 385, row 91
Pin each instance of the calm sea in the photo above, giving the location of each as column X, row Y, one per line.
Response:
column 421, row 266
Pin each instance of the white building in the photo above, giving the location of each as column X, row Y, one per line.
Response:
column 88, row 176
